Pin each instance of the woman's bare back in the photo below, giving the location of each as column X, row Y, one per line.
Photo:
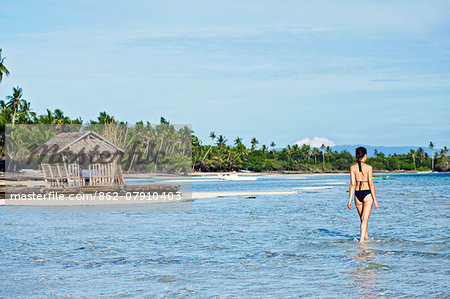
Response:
column 362, row 177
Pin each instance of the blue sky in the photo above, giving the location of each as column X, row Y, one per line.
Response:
column 355, row 72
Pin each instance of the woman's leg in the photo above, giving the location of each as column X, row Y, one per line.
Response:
column 366, row 210
column 359, row 207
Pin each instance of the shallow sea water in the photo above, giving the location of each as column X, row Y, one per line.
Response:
column 292, row 245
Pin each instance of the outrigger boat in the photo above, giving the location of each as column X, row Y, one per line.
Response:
column 235, row 177
column 381, row 177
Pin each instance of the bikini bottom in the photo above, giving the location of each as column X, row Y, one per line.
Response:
column 361, row 194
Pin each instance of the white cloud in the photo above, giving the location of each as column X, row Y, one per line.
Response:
column 316, row 141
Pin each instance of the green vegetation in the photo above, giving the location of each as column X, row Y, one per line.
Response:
column 3, row 69
column 162, row 148
column 224, row 157
column 221, row 156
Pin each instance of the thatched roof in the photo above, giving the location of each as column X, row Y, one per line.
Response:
column 77, row 142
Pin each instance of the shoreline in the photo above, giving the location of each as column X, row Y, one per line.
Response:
column 37, row 179
column 27, row 182
column 200, row 174
column 144, row 176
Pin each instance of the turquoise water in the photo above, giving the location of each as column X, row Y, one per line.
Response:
column 293, row 245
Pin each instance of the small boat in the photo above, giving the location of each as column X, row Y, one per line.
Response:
column 244, row 171
column 381, row 177
column 235, row 177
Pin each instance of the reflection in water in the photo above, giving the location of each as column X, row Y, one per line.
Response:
column 365, row 277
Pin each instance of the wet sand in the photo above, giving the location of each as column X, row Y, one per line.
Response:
column 197, row 195
column 313, row 188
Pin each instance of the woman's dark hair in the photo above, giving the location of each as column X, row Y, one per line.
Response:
column 360, row 153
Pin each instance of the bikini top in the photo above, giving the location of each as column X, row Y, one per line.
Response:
column 360, row 170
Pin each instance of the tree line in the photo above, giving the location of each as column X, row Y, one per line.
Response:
column 161, row 148
column 220, row 155
column 223, row 157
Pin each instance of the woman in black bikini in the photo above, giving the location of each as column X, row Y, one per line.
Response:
column 361, row 184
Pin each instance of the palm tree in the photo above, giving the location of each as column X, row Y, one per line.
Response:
column 185, row 138
column 315, row 152
column 150, row 135
column 46, row 118
column 238, row 141
column 106, row 119
column 264, row 148
column 27, row 111
column 289, row 152
column 3, row 69
column 162, row 132
column 421, row 155
column 323, row 155
column 5, row 113
column 59, row 116
column 15, row 101
column 306, row 151
column 431, row 147
column 212, row 135
column 272, row 145
column 328, row 153
column 413, row 155
column 254, row 142
column 444, row 153
column 221, row 141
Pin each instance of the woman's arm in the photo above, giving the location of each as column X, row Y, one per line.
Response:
column 352, row 189
column 372, row 188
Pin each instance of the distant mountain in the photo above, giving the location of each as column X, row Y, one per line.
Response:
column 387, row 150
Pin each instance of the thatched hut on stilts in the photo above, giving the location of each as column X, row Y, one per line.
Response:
column 80, row 159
